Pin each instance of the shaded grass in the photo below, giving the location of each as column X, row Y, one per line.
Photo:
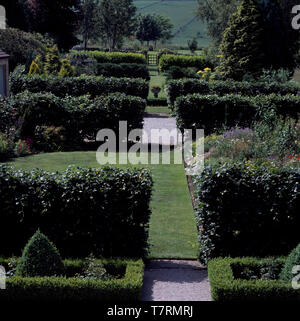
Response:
column 156, row 80
column 158, row 110
column 173, row 232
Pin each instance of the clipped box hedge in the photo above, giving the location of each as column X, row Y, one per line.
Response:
column 225, row 287
column 117, row 57
column 62, row 289
column 82, row 210
column 168, row 60
column 247, row 210
column 213, row 111
column 80, row 116
column 78, row 86
column 123, row 70
column 177, row 88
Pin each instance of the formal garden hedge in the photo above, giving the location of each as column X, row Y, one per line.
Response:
column 80, row 116
column 123, row 70
column 124, row 288
column 227, row 286
column 167, row 61
column 102, row 211
column 78, row 86
column 245, row 209
column 117, row 57
column 210, row 112
column 177, row 88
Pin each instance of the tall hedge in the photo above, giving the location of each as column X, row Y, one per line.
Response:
column 212, row 111
column 123, row 70
column 117, row 57
column 177, row 88
column 247, row 210
column 78, row 86
column 82, row 210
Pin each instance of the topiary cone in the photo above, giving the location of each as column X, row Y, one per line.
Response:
column 40, row 258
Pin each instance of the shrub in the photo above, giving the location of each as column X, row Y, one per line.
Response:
column 78, row 86
column 6, row 148
column 123, row 70
column 241, row 206
column 50, row 138
column 177, row 88
column 66, row 69
column 52, row 63
column 292, row 261
column 212, row 111
column 175, row 73
column 166, row 61
column 20, row 45
column 40, row 258
column 102, row 211
column 127, row 288
column 226, row 287
column 117, row 57
column 23, row 148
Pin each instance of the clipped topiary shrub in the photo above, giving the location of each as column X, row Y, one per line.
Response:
column 292, row 260
column 40, row 258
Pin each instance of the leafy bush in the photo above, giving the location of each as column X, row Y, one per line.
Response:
column 50, row 138
column 20, row 45
column 226, row 287
column 123, row 70
column 102, row 211
column 23, row 148
column 58, row 289
column 6, row 147
column 292, row 261
column 117, row 57
column 167, row 61
column 175, row 72
column 241, row 206
column 40, row 258
column 177, row 88
column 78, row 86
column 213, row 111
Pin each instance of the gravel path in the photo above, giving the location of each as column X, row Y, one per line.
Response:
column 174, row 280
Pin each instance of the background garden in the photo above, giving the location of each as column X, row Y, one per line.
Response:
column 71, row 78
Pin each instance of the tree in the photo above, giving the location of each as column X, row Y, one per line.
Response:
column 193, row 45
column 16, row 13
column 166, row 27
column 242, row 48
column 52, row 64
column 57, row 18
column 89, row 28
column 117, row 19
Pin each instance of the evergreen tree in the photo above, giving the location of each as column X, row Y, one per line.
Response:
column 242, row 48
column 52, row 63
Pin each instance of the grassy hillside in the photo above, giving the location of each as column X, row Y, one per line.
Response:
column 182, row 14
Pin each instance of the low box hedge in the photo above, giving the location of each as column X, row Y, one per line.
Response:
column 226, row 287
column 117, row 57
column 123, row 70
column 168, row 60
column 104, row 211
column 177, row 88
column 78, row 86
column 212, row 111
column 70, row 289
column 247, row 209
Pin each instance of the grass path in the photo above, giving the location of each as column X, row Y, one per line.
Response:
column 173, row 231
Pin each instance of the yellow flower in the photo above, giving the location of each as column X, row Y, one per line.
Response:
column 207, row 69
column 220, row 56
column 200, row 72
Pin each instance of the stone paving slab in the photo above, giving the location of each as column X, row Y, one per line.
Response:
column 175, row 280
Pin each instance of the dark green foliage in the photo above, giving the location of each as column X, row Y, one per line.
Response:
column 241, row 206
column 127, row 288
column 40, row 258
column 123, row 70
column 210, row 112
column 226, row 287
column 78, row 86
column 6, row 147
column 52, row 63
column 175, row 72
column 117, row 57
column 167, row 60
column 157, row 102
column 177, row 88
column 102, row 211
column 292, row 260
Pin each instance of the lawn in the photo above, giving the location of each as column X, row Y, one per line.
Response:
column 158, row 110
column 156, row 80
column 173, row 231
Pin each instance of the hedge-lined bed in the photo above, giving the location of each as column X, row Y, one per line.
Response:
column 82, row 210
column 78, row 86
column 243, row 209
column 126, row 287
column 177, row 88
column 123, row 70
column 167, row 60
column 210, row 112
column 226, row 286
column 116, row 57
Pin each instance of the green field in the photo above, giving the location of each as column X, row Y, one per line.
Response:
column 182, row 14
